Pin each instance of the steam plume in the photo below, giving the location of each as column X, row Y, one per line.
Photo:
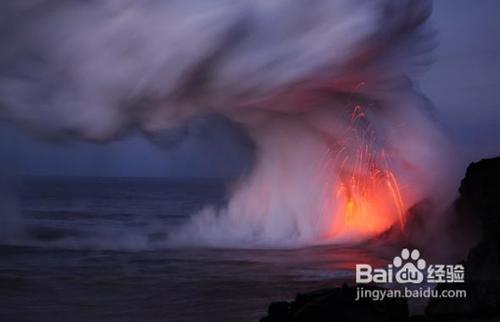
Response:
column 344, row 144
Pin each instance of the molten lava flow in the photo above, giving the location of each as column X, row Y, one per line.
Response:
column 368, row 198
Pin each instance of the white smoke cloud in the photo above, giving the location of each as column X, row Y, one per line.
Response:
column 289, row 72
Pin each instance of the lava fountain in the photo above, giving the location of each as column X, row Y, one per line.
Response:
column 368, row 193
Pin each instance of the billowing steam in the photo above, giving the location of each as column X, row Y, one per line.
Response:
column 344, row 144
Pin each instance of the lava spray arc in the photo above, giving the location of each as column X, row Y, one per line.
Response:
column 368, row 194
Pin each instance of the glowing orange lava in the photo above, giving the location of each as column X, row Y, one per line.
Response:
column 368, row 198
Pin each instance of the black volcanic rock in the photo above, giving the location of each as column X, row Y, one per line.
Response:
column 337, row 304
column 479, row 197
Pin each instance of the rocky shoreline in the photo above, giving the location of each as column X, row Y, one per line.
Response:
column 480, row 198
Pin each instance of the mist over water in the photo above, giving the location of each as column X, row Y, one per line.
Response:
column 96, row 249
column 343, row 142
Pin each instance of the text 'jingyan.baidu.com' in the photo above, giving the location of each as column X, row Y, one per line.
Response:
column 412, row 271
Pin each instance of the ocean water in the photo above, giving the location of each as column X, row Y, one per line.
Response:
column 94, row 249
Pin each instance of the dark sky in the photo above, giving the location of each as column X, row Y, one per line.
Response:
column 463, row 84
column 211, row 150
column 464, row 81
